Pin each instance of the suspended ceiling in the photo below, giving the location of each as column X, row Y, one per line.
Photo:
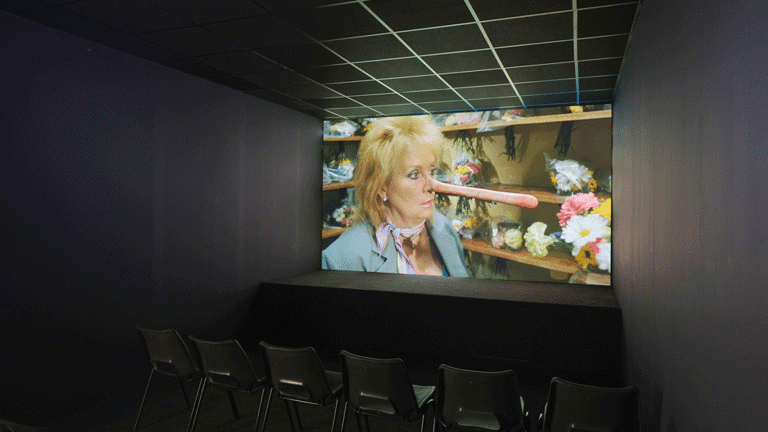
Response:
column 370, row 58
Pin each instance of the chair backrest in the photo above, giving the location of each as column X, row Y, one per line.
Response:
column 579, row 407
column 168, row 354
column 478, row 400
column 296, row 373
column 226, row 365
column 378, row 386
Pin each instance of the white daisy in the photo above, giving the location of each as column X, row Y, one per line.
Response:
column 604, row 256
column 581, row 230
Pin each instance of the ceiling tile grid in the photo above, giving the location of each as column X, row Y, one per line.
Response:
column 338, row 59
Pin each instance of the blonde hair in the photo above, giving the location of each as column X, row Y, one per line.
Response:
column 380, row 151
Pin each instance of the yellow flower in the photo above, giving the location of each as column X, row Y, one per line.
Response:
column 462, row 169
column 471, row 222
column 605, row 209
column 576, row 109
column 592, row 185
column 553, row 177
column 585, row 257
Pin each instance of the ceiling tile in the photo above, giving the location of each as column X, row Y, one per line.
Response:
column 445, row 39
column 277, row 6
column 191, row 41
column 240, row 62
column 486, row 92
column 593, row 3
column 310, row 91
column 536, row 54
column 606, row 20
column 496, row 103
column 384, row 99
column 542, row 72
column 550, row 99
column 492, row 9
column 360, row 88
column 369, row 48
column 299, row 56
column 527, row 30
column 141, row 48
column 334, row 22
column 337, row 102
column 399, row 110
column 261, row 31
column 598, row 83
column 473, row 79
column 432, row 96
column 395, row 68
column 130, row 16
column 602, row 47
column 278, row 79
column 600, row 67
column 206, row 11
column 410, row 14
column 447, row 106
column 431, row 82
column 361, row 112
column 557, row 86
column 599, row 96
column 334, row 74
column 462, row 62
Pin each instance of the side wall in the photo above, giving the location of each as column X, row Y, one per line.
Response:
column 691, row 244
column 134, row 194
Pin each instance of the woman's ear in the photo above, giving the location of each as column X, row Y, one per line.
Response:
column 383, row 194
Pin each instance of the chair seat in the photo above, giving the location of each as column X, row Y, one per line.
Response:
column 423, row 394
column 335, row 382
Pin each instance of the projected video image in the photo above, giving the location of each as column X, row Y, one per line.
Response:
column 514, row 195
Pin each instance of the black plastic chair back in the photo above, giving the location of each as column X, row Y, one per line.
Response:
column 168, row 354
column 296, row 374
column 579, row 407
column 379, row 387
column 476, row 400
column 226, row 365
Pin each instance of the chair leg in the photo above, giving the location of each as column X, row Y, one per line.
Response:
column 423, row 417
column 359, row 423
column 258, row 412
column 434, row 423
column 233, row 405
column 344, row 416
column 290, row 416
column 184, row 390
column 298, row 418
column 335, row 411
column 196, row 405
column 141, row 407
column 367, row 425
column 266, row 412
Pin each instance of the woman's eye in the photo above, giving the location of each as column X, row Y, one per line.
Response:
column 433, row 172
column 414, row 175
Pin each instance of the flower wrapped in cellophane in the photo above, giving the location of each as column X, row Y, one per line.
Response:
column 586, row 223
column 570, row 176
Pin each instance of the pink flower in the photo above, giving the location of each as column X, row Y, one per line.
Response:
column 576, row 204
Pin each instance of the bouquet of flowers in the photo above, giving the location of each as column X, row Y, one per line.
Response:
column 570, row 176
column 536, row 241
column 586, row 226
column 465, row 170
column 466, row 225
column 343, row 215
column 503, row 232
column 338, row 171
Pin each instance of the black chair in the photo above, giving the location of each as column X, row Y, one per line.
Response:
column 297, row 374
column 584, row 408
column 227, row 366
column 168, row 355
column 382, row 388
column 478, row 401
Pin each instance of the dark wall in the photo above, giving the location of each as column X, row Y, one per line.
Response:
column 690, row 174
column 134, row 194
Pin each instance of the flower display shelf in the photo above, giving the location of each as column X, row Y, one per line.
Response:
column 337, row 185
column 553, row 118
column 555, row 261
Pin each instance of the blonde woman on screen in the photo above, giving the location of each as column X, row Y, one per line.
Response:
column 397, row 228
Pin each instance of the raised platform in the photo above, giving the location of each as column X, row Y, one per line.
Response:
column 539, row 330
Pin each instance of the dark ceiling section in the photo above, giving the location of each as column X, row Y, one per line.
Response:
column 369, row 58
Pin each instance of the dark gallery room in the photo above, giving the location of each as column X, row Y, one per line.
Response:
column 162, row 218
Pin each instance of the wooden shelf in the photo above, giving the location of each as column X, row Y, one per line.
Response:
column 333, row 232
column 349, row 138
column 335, row 185
column 542, row 194
column 555, row 260
column 589, row 115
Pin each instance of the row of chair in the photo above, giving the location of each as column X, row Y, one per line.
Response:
column 462, row 399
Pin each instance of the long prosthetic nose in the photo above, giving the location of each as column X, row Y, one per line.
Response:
column 511, row 198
